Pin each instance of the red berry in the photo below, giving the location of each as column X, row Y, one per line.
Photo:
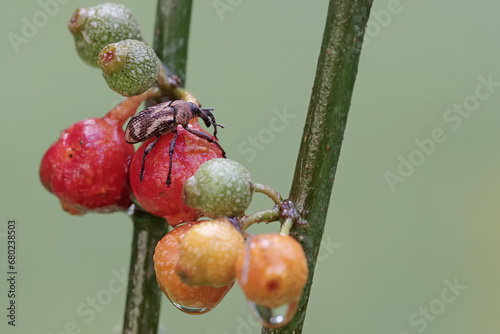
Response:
column 272, row 270
column 152, row 193
column 189, row 299
column 87, row 167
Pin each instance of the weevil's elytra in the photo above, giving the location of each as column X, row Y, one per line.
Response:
column 164, row 118
column 151, row 122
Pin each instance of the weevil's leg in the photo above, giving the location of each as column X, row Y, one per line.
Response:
column 171, row 152
column 146, row 152
column 203, row 135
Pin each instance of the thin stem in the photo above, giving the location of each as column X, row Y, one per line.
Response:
column 324, row 131
column 287, row 225
column 167, row 86
column 127, row 108
column 170, row 88
column 270, row 192
column 188, row 96
column 267, row 216
column 143, row 296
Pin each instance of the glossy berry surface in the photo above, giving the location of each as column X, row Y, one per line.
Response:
column 152, row 193
column 87, row 167
column 189, row 299
column 208, row 254
column 219, row 188
column 272, row 270
column 95, row 27
column 129, row 67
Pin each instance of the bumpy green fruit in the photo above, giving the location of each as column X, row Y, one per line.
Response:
column 95, row 27
column 220, row 187
column 129, row 67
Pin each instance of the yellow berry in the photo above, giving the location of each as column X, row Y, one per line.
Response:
column 208, row 254
column 195, row 300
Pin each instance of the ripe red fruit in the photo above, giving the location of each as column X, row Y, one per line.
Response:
column 87, row 167
column 272, row 270
column 152, row 193
column 195, row 300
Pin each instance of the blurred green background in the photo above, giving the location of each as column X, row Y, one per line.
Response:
column 389, row 255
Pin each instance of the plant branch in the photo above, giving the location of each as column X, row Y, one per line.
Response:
column 172, row 34
column 324, row 131
column 143, row 294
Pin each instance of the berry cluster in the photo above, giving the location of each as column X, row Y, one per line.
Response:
column 93, row 167
column 198, row 262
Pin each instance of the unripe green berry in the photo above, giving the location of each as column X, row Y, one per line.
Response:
column 220, row 187
column 129, row 67
column 95, row 27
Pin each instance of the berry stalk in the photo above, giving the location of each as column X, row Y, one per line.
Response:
column 286, row 226
column 128, row 108
column 269, row 192
column 267, row 216
column 324, row 131
column 170, row 87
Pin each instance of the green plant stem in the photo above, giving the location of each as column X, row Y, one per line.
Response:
column 267, row 216
column 172, row 91
column 323, row 132
column 143, row 295
column 286, row 226
column 269, row 192
column 172, row 34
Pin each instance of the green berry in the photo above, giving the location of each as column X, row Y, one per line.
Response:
column 95, row 27
column 129, row 67
column 220, row 187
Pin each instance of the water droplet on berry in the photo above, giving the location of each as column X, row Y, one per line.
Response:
column 191, row 310
column 131, row 210
column 274, row 317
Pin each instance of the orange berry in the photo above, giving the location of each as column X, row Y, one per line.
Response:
column 208, row 254
column 194, row 300
column 272, row 270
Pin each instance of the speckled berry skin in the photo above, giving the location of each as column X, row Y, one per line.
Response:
column 152, row 193
column 194, row 300
column 95, row 27
column 129, row 67
column 219, row 188
column 272, row 270
column 208, row 254
column 87, row 167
